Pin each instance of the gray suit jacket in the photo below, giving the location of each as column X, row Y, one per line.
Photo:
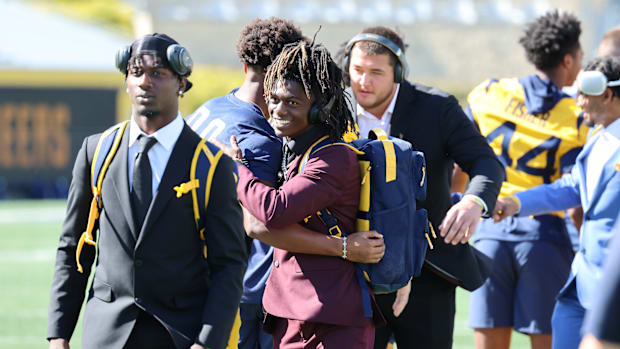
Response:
column 163, row 272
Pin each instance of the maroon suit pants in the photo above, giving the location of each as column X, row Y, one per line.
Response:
column 295, row 334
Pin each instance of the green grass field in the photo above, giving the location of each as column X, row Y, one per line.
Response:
column 28, row 237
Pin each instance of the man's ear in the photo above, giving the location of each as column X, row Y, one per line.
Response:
column 608, row 95
column 182, row 85
column 568, row 61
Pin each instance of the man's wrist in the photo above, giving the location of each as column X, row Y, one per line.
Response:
column 478, row 201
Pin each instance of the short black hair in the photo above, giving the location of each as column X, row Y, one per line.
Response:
column 549, row 38
column 373, row 48
column 312, row 66
column 608, row 65
column 262, row 40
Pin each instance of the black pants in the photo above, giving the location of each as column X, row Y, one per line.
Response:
column 428, row 319
column 149, row 333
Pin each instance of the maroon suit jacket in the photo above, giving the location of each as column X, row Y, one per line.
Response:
column 302, row 286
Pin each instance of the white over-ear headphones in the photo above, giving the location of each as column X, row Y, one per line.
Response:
column 594, row 83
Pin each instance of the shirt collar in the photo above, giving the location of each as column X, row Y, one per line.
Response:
column 388, row 111
column 166, row 136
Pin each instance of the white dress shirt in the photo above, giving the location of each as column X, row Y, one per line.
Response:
column 606, row 145
column 159, row 154
column 367, row 121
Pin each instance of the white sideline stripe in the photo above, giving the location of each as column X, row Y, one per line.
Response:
column 31, row 215
column 28, row 256
column 24, row 340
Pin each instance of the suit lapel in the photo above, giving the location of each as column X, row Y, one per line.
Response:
column 399, row 122
column 176, row 172
column 120, row 178
column 609, row 170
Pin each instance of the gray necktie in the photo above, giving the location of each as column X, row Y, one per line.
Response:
column 142, row 180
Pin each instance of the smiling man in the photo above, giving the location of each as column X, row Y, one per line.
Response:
column 243, row 113
column 152, row 287
column 312, row 301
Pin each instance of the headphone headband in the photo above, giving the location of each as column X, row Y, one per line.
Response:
column 385, row 42
column 177, row 56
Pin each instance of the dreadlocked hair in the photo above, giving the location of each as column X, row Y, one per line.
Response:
column 312, row 66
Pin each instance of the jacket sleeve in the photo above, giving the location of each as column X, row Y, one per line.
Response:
column 557, row 196
column 319, row 186
column 226, row 257
column 68, row 285
column 473, row 154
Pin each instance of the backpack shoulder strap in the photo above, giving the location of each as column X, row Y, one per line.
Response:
column 104, row 153
column 390, row 152
column 204, row 163
column 321, row 143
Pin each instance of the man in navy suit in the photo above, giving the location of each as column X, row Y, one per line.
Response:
column 594, row 183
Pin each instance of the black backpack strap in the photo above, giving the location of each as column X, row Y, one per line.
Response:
column 330, row 222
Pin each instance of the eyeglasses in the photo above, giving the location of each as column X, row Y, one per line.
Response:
column 594, row 83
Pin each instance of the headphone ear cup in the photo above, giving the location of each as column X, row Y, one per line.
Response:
column 122, row 58
column 180, row 60
column 319, row 115
column 346, row 62
column 398, row 73
column 314, row 115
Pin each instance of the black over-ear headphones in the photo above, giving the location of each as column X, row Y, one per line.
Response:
column 401, row 68
column 319, row 114
column 177, row 55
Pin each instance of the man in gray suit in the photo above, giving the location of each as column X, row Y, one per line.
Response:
column 153, row 286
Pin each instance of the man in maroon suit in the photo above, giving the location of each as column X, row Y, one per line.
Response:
column 311, row 300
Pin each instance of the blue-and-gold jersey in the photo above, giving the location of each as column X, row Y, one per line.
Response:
column 535, row 148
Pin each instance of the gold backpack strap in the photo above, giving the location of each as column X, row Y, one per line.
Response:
column 96, row 203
